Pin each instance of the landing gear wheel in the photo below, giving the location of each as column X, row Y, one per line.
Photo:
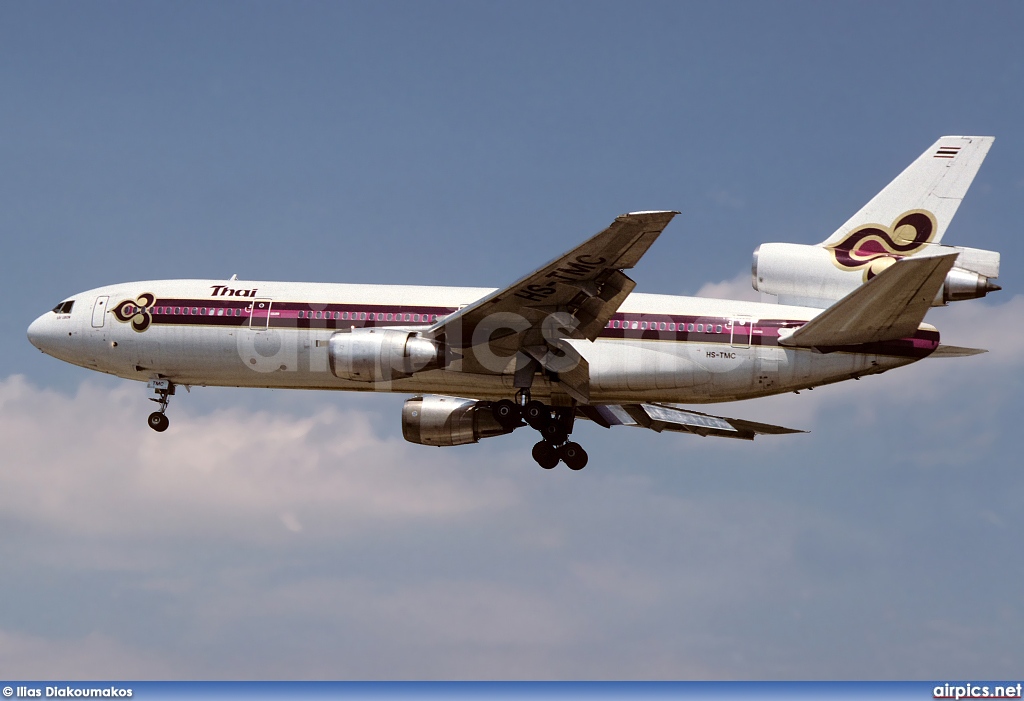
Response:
column 159, row 422
column 545, row 454
column 537, row 414
column 573, row 455
column 554, row 433
column 506, row 413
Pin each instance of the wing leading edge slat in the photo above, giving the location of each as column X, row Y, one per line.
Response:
column 572, row 297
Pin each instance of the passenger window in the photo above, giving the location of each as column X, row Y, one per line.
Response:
column 718, row 329
column 635, row 324
column 344, row 315
column 662, row 326
column 700, row 328
column 390, row 317
column 671, row 327
column 362, row 316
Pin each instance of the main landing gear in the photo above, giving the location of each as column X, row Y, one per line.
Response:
column 554, row 425
column 163, row 389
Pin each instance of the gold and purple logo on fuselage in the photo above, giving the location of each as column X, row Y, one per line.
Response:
column 874, row 247
column 137, row 311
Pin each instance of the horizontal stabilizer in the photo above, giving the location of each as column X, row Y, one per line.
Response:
column 669, row 417
column 889, row 306
column 944, row 351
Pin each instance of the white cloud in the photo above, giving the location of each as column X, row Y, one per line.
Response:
column 725, row 198
column 89, row 464
column 738, row 287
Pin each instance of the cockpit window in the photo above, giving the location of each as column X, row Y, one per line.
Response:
column 64, row 307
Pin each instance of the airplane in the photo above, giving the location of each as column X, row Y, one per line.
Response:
column 571, row 340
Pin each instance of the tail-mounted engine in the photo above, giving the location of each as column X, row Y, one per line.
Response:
column 434, row 420
column 374, row 355
column 815, row 276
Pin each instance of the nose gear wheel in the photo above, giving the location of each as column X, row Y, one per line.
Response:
column 163, row 389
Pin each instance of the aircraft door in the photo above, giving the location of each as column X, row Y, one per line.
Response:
column 99, row 311
column 741, row 328
column 259, row 314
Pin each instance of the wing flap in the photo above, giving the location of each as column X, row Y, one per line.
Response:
column 944, row 351
column 889, row 306
column 669, row 417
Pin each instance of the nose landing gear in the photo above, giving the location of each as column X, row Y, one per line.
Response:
column 163, row 389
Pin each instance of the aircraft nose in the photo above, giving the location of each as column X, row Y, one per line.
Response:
column 39, row 333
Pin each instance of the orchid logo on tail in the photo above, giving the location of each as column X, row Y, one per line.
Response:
column 874, row 247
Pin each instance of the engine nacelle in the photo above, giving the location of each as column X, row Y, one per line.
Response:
column 374, row 355
column 808, row 275
column 434, row 420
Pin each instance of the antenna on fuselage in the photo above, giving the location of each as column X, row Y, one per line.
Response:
column 234, row 277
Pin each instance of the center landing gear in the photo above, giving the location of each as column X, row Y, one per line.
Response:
column 163, row 389
column 553, row 423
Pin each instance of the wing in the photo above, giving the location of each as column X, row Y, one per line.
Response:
column 889, row 306
column 669, row 417
column 521, row 328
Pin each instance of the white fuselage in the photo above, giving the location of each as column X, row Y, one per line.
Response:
column 274, row 334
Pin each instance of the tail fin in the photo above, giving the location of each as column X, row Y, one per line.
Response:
column 933, row 185
column 907, row 218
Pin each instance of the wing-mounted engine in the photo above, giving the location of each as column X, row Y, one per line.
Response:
column 374, row 355
column 434, row 420
column 817, row 276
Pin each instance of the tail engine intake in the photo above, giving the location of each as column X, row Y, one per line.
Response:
column 808, row 275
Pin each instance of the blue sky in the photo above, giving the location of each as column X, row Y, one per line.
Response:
column 294, row 535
